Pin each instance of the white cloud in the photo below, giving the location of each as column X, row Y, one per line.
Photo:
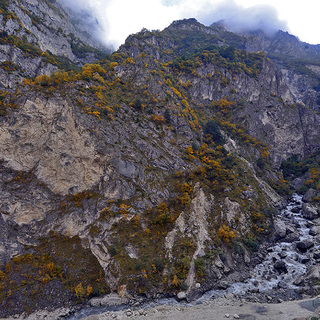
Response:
column 238, row 18
column 126, row 17
column 120, row 18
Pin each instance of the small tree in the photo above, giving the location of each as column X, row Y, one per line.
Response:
column 167, row 116
column 212, row 129
column 137, row 105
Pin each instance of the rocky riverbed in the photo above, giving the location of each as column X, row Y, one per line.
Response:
column 290, row 267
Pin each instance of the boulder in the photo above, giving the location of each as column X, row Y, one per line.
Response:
column 299, row 280
column 305, row 260
column 182, row 295
column 313, row 232
column 281, row 266
column 295, row 209
column 304, row 245
column 313, row 274
column 309, row 224
column 280, row 229
column 290, row 229
column 292, row 237
column 309, row 194
column 309, row 211
column 283, row 254
column 223, row 285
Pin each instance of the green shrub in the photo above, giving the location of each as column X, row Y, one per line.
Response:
column 211, row 128
column 252, row 244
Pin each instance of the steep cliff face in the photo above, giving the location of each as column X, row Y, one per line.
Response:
column 157, row 167
column 298, row 61
column 38, row 37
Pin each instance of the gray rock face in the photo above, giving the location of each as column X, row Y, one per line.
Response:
column 26, row 67
column 43, row 128
column 270, row 100
column 298, row 136
column 287, row 45
column 51, row 136
column 43, row 27
column 51, row 30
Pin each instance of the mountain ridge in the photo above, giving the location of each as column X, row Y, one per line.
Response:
column 160, row 164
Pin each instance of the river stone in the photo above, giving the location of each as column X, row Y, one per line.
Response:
column 305, row 260
column 313, row 232
column 295, row 209
column 181, row 295
column 129, row 313
column 304, row 245
column 281, row 266
column 309, row 224
column 309, row 211
column 283, row 254
column 299, row 280
column 290, row 229
column 316, row 255
column 316, row 228
column 223, row 285
column 294, row 236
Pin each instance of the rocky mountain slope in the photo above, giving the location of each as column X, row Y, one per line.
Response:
column 38, row 37
column 154, row 171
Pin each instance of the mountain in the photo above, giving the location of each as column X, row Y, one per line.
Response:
column 158, row 169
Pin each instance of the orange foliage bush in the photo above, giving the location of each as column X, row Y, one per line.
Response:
column 226, row 234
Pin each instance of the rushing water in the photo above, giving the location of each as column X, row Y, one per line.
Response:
column 264, row 277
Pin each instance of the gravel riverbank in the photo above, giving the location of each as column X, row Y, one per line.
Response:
column 221, row 309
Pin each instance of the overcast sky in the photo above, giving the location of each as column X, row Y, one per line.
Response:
column 119, row 18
